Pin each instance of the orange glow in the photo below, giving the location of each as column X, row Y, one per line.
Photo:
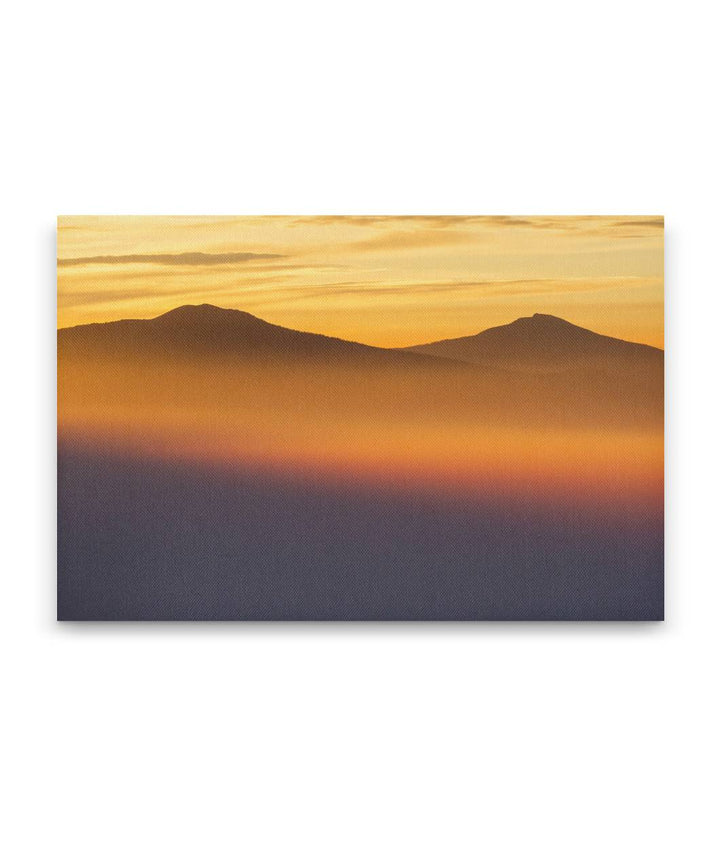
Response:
column 397, row 431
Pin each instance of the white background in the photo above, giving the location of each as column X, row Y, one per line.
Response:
column 495, row 739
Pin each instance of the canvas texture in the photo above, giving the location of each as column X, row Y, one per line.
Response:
column 360, row 418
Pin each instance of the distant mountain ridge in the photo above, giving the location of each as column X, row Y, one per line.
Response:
column 535, row 371
column 535, row 341
column 541, row 357
column 206, row 330
column 544, row 343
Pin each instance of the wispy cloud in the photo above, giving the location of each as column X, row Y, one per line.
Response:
column 181, row 259
column 406, row 239
column 411, row 290
column 590, row 224
column 441, row 221
column 650, row 222
column 434, row 221
column 384, row 232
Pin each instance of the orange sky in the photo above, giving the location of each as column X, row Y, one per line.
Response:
column 388, row 281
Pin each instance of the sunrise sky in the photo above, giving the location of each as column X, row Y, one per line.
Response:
column 388, row 281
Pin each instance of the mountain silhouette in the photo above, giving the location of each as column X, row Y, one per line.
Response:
column 538, row 343
column 539, row 367
column 210, row 331
column 532, row 371
column 544, row 343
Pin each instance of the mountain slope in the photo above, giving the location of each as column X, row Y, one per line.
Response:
column 203, row 360
column 545, row 343
column 209, row 331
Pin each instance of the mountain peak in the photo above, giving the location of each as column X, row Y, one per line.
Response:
column 541, row 319
column 212, row 331
column 200, row 310
column 207, row 315
column 541, row 342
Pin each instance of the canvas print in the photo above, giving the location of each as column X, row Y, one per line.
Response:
column 360, row 418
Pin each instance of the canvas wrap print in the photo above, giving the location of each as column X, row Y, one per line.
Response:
column 360, row 418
